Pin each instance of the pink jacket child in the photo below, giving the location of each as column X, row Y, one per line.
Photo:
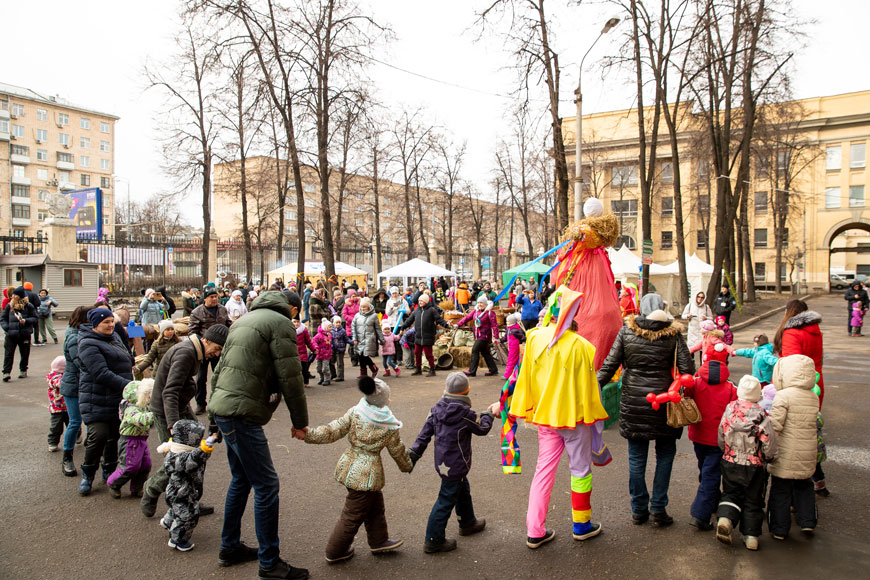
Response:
column 857, row 320
column 322, row 342
column 515, row 336
column 303, row 342
column 390, row 340
column 712, row 337
column 485, row 324
column 727, row 336
column 56, row 403
column 351, row 307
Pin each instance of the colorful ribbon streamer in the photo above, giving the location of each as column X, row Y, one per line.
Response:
column 521, row 270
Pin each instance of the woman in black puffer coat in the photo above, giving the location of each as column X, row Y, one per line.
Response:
column 647, row 348
column 105, row 368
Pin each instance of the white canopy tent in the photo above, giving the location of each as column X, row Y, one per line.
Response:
column 415, row 268
column 287, row 272
column 624, row 263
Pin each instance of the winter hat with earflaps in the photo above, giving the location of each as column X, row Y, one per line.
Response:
column 749, row 389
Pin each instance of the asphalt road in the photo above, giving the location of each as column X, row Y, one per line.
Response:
column 49, row 531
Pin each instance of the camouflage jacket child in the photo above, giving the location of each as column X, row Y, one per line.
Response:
column 746, row 435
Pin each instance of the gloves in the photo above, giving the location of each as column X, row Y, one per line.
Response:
column 213, row 430
column 415, row 457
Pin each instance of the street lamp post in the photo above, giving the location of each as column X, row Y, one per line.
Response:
column 578, row 140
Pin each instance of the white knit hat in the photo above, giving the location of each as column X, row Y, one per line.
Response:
column 512, row 319
column 749, row 389
column 164, row 324
column 325, row 324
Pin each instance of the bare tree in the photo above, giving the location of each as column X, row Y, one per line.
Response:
column 478, row 212
column 189, row 82
column 409, row 134
column 451, row 157
column 513, row 164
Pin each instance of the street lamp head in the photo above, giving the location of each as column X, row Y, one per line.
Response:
column 609, row 25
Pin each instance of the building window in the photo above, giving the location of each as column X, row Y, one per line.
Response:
column 703, row 171
column 290, row 214
column 72, row 277
column 84, row 123
column 62, row 119
column 625, row 241
column 782, row 162
column 667, row 172
column 4, row 126
column 20, row 211
column 624, row 175
column 862, row 269
column 106, row 183
column 104, row 164
column 785, row 238
column 357, row 222
column 86, row 179
column 704, row 203
column 104, row 127
column 18, row 109
column 856, row 196
column 42, row 195
column 41, row 135
column 41, row 215
column 667, row 240
column 624, row 208
column 760, row 202
column 41, row 115
column 18, row 131
column 42, row 174
column 18, row 233
column 388, row 213
column 19, row 190
column 84, row 143
column 290, row 229
column 42, row 154
column 667, row 206
column 308, row 187
column 63, row 176
column 17, row 171
column 66, row 157
column 84, row 161
column 309, row 202
column 857, row 156
column 832, row 197
column 105, row 221
column 761, row 238
column 104, row 146
column 702, row 239
column 63, row 138
column 760, row 271
column 21, row 150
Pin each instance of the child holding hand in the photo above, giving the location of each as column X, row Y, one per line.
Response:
column 323, row 348
column 388, row 349
column 514, row 337
column 56, row 403
column 134, row 458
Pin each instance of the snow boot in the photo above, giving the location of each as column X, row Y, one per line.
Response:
column 67, row 465
column 87, row 482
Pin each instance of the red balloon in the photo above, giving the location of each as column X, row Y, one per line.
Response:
column 650, row 397
column 687, row 380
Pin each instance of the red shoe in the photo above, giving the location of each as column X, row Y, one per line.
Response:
column 397, row 371
column 374, row 372
column 387, row 373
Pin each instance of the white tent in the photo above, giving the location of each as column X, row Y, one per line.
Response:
column 415, row 268
column 313, row 269
column 623, row 262
column 698, row 273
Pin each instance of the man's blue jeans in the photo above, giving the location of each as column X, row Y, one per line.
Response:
column 638, row 451
column 75, row 423
column 251, row 466
column 454, row 494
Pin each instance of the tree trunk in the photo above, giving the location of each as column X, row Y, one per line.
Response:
column 206, row 213
column 243, row 183
column 409, row 222
column 377, row 205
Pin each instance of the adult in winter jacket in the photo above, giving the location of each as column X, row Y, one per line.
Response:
column 793, row 415
column 379, row 302
column 763, row 359
column 696, row 312
column 487, row 292
column 424, row 320
column 69, row 387
column 152, row 309
column 18, row 321
column 170, row 303
column 856, row 293
column 799, row 333
column 306, row 301
column 188, row 301
column 724, row 304
column 318, row 309
column 366, row 335
column 421, row 289
column 530, row 308
column 174, row 388
column 203, row 317
column 395, row 305
column 485, row 331
column 236, row 306
column 106, row 366
column 259, row 367
column 647, row 347
column 45, row 317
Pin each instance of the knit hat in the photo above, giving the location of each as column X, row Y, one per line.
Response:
column 512, row 319
column 423, row 299
column 236, row 293
column 325, row 324
column 658, row 316
column 749, row 389
column 337, row 319
column 209, row 291
column 97, row 315
column 188, row 432
column 58, row 365
column 28, row 286
column 149, row 292
column 708, row 325
column 394, row 290
column 19, row 292
column 217, row 334
column 376, row 391
column 456, row 384
column 164, row 324
column 482, row 299
column 351, row 292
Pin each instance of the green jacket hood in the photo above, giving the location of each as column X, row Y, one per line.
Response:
column 273, row 300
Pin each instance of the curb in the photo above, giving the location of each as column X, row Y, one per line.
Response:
column 762, row 316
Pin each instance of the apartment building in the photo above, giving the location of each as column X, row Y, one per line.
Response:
column 49, row 145
column 817, row 146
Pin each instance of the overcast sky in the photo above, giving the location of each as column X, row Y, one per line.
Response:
column 91, row 52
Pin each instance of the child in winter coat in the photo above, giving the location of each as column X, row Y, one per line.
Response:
column 304, row 344
column 452, row 422
column 748, row 442
column 763, row 359
column 340, row 339
column 727, row 335
column 857, row 318
column 134, row 458
column 186, row 456
column 712, row 392
column 159, row 347
column 369, row 426
column 514, row 337
column 407, row 344
column 56, row 403
column 323, row 348
column 793, row 415
column 388, row 350
column 712, row 337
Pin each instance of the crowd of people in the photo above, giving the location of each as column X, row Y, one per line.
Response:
column 260, row 343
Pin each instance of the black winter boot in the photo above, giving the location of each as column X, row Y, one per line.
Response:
column 431, row 373
column 67, row 465
column 417, row 371
column 108, row 469
column 87, row 482
column 148, row 505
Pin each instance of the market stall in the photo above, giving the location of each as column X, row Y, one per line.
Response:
column 413, row 270
column 526, row 271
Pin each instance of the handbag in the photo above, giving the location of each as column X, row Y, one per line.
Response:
column 685, row 412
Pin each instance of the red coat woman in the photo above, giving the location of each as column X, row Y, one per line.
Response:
column 799, row 333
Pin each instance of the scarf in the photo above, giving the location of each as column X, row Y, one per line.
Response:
column 378, row 416
column 173, row 447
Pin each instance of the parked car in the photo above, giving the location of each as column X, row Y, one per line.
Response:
column 840, row 282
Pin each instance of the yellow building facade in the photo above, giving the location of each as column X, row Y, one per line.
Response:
column 48, row 145
column 824, row 163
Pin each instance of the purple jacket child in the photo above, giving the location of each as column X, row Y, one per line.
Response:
column 485, row 324
column 339, row 339
column 452, row 422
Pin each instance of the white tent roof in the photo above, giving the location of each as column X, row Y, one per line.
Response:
column 694, row 265
column 623, row 261
column 316, row 269
column 415, row 268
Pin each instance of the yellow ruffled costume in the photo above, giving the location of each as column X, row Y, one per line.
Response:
column 559, row 391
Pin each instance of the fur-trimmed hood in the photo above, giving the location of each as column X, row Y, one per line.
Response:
column 804, row 319
column 652, row 330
